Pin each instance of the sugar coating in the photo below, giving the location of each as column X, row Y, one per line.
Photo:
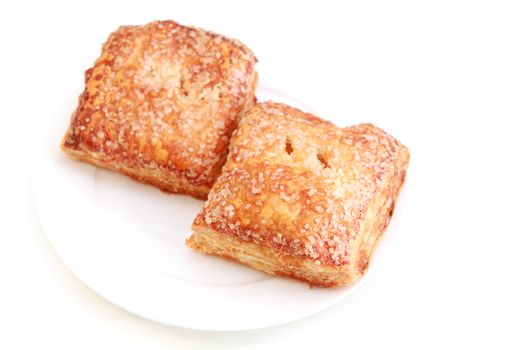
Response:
column 164, row 97
column 298, row 184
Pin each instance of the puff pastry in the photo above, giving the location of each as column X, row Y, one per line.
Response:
column 301, row 198
column 160, row 104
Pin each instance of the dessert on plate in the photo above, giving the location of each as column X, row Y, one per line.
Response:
column 287, row 193
column 160, row 104
column 300, row 197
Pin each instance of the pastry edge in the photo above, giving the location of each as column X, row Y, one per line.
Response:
column 164, row 181
column 266, row 259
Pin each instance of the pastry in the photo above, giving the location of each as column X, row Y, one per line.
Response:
column 160, row 105
column 300, row 197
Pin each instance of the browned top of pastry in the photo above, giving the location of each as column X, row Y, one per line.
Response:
column 298, row 183
column 164, row 96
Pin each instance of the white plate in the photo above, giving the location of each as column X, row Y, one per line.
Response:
column 125, row 240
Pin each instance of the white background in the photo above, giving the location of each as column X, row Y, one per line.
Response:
column 432, row 73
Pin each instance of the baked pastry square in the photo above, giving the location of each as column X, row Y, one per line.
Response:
column 301, row 198
column 161, row 103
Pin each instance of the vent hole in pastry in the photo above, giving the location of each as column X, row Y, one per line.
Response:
column 321, row 157
column 181, row 86
column 289, row 146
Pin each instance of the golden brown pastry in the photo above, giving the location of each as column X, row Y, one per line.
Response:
column 160, row 105
column 301, row 198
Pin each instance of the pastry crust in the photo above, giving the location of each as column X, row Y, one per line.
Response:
column 160, row 104
column 301, row 198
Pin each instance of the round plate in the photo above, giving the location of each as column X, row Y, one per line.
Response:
column 125, row 240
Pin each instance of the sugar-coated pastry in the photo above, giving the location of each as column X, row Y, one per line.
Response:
column 160, row 104
column 302, row 198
